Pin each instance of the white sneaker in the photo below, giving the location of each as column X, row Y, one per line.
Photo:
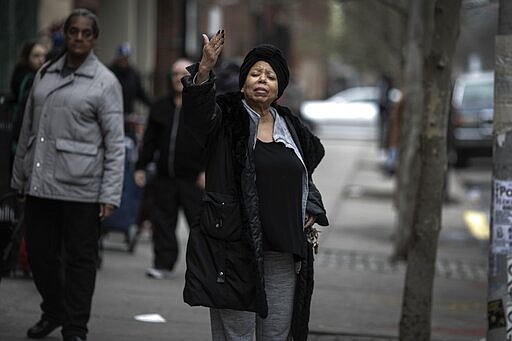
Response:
column 159, row 273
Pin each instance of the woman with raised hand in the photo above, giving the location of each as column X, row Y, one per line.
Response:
column 250, row 257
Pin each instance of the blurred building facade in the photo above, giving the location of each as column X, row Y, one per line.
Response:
column 162, row 30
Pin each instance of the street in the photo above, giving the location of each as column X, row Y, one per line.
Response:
column 357, row 290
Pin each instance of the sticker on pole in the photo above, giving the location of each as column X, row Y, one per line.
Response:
column 495, row 314
column 502, row 217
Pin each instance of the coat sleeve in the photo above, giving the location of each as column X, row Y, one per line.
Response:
column 313, row 152
column 19, row 175
column 201, row 113
column 110, row 120
column 149, row 142
column 315, row 205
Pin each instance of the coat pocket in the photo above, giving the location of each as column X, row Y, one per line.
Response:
column 221, row 218
column 76, row 162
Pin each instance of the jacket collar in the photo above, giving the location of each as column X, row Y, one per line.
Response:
column 87, row 68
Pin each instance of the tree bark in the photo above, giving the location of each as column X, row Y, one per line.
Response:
column 384, row 29
column 408, row 171
column 415, row 323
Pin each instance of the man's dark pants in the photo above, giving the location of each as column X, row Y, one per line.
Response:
column 171, row 194
column 62, row 245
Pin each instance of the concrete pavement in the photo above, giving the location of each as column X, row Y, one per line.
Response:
column 357, row 291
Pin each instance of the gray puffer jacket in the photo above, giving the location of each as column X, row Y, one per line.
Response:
column 71, row 143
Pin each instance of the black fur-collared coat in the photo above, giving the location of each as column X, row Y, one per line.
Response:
column 225, row 249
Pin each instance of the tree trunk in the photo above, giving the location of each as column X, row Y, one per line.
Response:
column 499, row 300
column 408, row 172
column 415, row 323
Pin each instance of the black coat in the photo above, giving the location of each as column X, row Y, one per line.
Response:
column 225, row 250
column 159, row 140
column 21, row 84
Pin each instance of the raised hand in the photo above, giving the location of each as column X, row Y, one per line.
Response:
column 212, row 48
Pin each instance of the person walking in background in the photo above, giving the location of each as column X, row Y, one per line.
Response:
column 69, row 165
column 396, row 120
column 385, row 86
column 179, row 178
column 131, row 84
column 250, row 252
column 56, row 34
column 32, row 57
column 226, row 71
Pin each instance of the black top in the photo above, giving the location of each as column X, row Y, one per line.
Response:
column 279, row 183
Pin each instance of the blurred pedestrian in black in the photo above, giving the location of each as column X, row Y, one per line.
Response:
column 396, row 119
column 227, row 75
column 32, row 57
column 131, row 84
column 251, row 251
column 179, row 179
column 69, row 165
column 384, row 85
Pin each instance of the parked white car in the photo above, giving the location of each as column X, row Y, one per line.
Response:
column 351, row 113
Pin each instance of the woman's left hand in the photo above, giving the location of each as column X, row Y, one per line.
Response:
column 310, row 220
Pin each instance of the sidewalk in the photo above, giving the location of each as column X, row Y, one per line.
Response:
column 357, row 291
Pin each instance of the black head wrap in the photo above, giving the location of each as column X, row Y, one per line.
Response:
column 271, row 55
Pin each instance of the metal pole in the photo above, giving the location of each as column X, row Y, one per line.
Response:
column 499, row 295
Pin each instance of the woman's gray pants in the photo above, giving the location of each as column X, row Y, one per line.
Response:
column 235, row 325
